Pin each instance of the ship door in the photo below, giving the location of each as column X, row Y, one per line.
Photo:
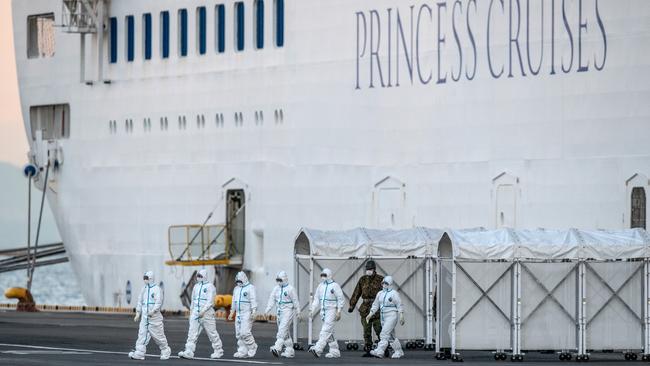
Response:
column 638, row 218
column 505, row 200
column 236, row 221
column 389, row 197
column 506, row 205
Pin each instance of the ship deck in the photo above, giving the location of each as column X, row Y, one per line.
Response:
column 57, row 338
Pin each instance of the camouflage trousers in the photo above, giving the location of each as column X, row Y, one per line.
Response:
column 374, row 322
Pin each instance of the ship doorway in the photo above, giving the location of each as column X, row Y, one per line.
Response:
column 638, row 215
column 236, row 221
column 506, row 206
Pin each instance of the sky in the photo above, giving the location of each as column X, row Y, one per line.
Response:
column 13, row 141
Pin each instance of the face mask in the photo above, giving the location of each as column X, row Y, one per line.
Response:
column 323, row 278
column 279, row 281
column 384, row 285
column 199, row 278
column 239, row 283
column 370, row 272
column 146, row 280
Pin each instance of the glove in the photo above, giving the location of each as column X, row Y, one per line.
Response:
column 231, row 316
column 401, row 319
column 253, row 313
column 136, row 317
column 202, row 313
column 150, row 314
column 298, row 317
column 369, row 317
column 338, row 315
column 312, row 313
column 351, row 309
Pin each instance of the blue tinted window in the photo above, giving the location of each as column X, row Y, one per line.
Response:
column 182, row 32
column 259, row 24
column 113, row 54
column 279, row 23
column 239, row 25
column 201, row 25
column 164, row 34
column 220, row 28
column 146, row 27
column 130, row 38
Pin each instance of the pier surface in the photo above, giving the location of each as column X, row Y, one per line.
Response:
column 56, row 338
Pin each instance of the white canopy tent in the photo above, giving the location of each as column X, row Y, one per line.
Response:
column 407, row 255
column 567, row 290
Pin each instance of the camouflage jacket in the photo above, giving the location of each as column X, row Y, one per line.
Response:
column 366, row 289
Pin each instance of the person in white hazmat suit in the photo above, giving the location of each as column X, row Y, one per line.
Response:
column 147, row 311
column 244, row 304
column 202, row 316
column 328, row 299
column 389, row 305
column 285, row 299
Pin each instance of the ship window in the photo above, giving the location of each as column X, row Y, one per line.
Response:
column 259, row 24
column 239, row 26
column 130, row 38
column 146, row 32
column 220, row 28
column 113, row 54
column 279, row 23
column 638, row 208
column 201, row 30
column 40, row 35
column 53, row 121
column 182, row 32
column 164, row 34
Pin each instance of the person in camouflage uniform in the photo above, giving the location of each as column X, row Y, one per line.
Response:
column 367, row 288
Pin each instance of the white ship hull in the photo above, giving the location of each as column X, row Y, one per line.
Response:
column 553, row 150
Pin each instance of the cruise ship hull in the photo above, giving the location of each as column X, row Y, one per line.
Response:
column 373, row 113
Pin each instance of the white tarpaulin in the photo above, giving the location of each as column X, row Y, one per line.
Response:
column 362, row 242
column 543, row 244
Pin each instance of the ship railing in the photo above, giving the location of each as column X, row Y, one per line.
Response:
column 196, row 245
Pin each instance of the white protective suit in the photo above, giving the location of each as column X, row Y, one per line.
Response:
column 285, row 299
column 202, row 316
column 328, row 299
column 151, row 320
column 389, row 304
column 244, row 303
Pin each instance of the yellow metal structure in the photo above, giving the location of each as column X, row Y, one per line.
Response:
column 198, row 245
column 223, row 301
column 25, row 299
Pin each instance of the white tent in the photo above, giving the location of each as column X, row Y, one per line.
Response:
column 567, row 290
column 407, row 255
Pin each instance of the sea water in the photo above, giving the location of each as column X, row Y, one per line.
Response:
column 51, row 285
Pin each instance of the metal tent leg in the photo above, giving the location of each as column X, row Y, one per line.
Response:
column 646, row 312
column 516, row 295
column 310, row 324
column 429, row 301
column 582, row 307
column 455, row 356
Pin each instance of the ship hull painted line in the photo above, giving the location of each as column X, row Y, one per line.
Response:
column 126, row 354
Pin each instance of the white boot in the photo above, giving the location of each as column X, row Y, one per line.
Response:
column 288, row 353
column 135, row 356
column 165, row 353
column 377, row 354
column 252, row 350
column 217, row 354
column 186, row 354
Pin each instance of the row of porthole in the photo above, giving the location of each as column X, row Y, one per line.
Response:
column 200, row 121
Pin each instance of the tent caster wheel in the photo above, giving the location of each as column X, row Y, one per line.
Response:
column 565, row 356
column 645, row 357
column 582, row 358
column 456, row 358
column 500, row 356
column 441, row 356
column 516, row 358
column 631, row 356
